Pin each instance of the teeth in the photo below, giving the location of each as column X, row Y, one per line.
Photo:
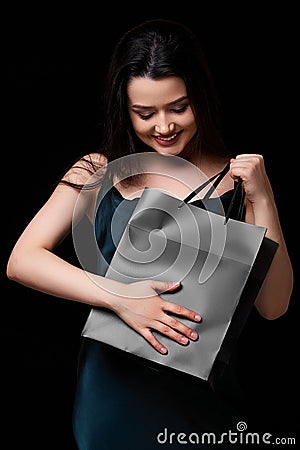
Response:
column 167, row 139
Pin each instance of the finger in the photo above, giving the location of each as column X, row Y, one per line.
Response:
column 164, row 286
column 175, row 324
column 147, row 334
column 170, row 333
column 180, row 310
column 240, row 169
column 248, row 156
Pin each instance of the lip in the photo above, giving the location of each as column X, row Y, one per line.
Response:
column 167, row 141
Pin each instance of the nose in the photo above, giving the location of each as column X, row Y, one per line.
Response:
column 164, row 127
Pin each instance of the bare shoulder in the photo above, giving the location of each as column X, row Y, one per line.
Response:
column 96, row 159
column 84, row 168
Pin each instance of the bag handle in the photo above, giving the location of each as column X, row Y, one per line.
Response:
column 216, row 179
column 238, row 188
column 219, row 176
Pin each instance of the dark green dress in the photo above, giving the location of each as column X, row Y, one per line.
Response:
column 122, row 403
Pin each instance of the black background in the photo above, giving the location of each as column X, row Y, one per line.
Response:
column 54, row 66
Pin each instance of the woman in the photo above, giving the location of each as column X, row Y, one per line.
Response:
column 160, row 98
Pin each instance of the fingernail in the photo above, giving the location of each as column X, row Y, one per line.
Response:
column 184, row 340
column 197, row 317
column 194, row 335
column 163, row 350
column 176, row 283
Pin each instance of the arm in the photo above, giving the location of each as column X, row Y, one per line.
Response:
column 274, row 296
column 34, row 264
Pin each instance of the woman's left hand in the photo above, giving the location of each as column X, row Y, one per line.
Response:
column 251, row 169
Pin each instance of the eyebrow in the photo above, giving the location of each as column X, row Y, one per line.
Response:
column 178, row 100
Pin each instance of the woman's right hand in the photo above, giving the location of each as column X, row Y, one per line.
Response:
column 142, row 308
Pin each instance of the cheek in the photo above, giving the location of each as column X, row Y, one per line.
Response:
column 140, row 126
column 190, row 121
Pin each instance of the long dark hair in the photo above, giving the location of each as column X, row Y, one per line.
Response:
column 158, row 49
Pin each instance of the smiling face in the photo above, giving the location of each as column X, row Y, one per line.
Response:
column 161, row 114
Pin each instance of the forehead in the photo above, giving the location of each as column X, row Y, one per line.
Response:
column 149, row 92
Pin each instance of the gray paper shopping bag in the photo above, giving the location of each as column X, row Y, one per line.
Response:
column 221, row 263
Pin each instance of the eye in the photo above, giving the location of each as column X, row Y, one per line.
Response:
column 180, row 110
column 145, row 116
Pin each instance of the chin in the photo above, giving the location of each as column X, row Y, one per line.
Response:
column 168, row 151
